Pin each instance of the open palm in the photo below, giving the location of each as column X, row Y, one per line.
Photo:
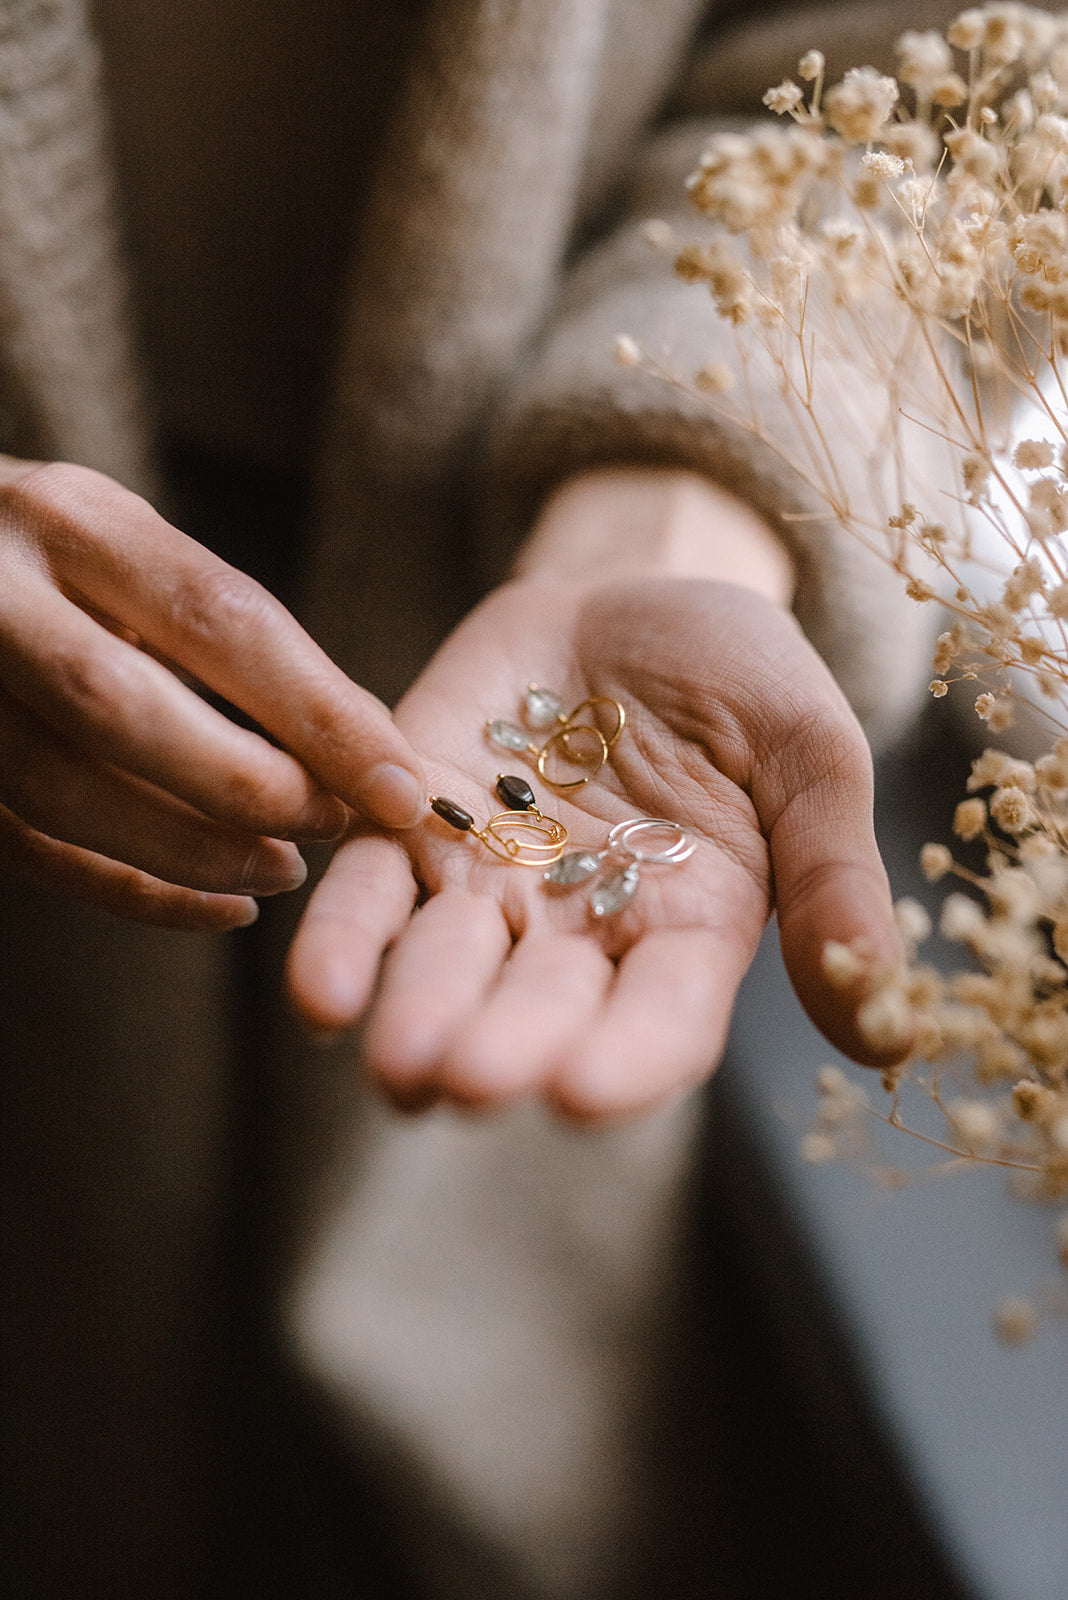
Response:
column 495, row 986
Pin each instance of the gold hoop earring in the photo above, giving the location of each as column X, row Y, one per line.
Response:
column 521, row 834
column 544, row 708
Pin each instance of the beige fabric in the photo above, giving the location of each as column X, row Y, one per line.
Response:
column 481, row 1302
column 67, row 383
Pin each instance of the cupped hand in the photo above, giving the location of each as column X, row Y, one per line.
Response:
column 119, row 783
column 494, row 986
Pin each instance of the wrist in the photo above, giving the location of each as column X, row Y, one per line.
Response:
column 623, row 522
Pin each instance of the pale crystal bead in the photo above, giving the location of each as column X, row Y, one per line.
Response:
column 543, row 707
column 575, row 867
column 506, row 736
column 610, row 897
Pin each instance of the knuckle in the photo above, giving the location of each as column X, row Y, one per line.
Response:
column 94, row 685
column 259, row 797
column 219, row 602
column 47, row 500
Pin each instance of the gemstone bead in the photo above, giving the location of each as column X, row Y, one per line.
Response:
column 451, row 813
column 610, row 897
column 506, row 736
column 543, row 707
column 514, row 792
column 575, row 867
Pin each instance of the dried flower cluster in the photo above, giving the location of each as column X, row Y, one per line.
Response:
column 927, row 217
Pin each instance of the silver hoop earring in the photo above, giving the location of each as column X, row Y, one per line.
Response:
column 637, row 842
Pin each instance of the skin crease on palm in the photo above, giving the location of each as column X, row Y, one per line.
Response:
column 493, row 988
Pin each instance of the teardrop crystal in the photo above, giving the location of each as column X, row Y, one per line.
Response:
column 543, row 707
column 575, row 867
column 610, row 897
column 506, row 736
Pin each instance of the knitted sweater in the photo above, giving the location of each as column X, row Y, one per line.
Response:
column 487, row 1305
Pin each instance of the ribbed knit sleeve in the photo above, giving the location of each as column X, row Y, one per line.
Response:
column 573, row 406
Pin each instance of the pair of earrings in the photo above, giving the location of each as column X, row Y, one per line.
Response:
column 573, row 740
column 641, row 841
column 520, row 834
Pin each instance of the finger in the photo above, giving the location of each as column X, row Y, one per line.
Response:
column 441, row 969
column 194, row 609
column 58, row 792
column 662, row 1028
column 830, row 884
column 549, row 989
column 64, row 869
column 122, row 706
column 361, row 905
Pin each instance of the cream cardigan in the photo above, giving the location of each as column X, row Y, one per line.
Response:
column 487, row 1305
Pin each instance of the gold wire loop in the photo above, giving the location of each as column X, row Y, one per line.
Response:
column 591, row 703
column 561, row 737
column 524, row 838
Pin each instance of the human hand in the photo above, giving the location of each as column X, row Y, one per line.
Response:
column 118, row 783
column 495, row 987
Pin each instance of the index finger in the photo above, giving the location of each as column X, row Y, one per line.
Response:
column 108, row 547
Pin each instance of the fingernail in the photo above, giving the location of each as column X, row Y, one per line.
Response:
column 393, row 796
column 325, row 818
column 275, row 873
column 249, row 913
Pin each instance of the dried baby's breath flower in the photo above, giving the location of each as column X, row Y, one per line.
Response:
column 858, row 107
column 658, row 233
column 961, row 920
column 818, row 1148
column 626, row 352
column 995, row 711
column 786, row 97
column 1051, row 771
column 989, row 769
column 913, row 923
column 975, row 470
column 881, row 164
column 923, row 58
column 939, row 688
column 935, row 861
column 969, row 819
column 811, row 65
column 1031, row 455
column 841, row 964
column 715, row 378
column 949, row 92
column 1015, row 1320
column 887, row 1020
column 1047, row 513
column 976, row 1122
column 1011, row 809
column 979, row 158
column 968, row 31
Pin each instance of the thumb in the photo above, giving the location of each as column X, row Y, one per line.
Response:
column 815, row 806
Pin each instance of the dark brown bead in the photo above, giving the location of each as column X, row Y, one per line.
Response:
column 514, row 792
column 451, row 813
